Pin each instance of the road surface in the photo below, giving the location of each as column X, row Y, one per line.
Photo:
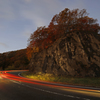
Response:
column 14, row 87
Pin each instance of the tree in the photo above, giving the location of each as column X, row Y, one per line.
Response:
column 14, row 59
column 75, row 20
column 61, row 24
column 37, row 41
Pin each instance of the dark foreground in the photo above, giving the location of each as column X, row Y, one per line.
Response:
column 17, row 88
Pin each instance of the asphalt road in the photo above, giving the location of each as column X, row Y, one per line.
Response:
column 13, row 87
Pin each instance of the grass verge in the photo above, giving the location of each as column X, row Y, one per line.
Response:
column 94, row 82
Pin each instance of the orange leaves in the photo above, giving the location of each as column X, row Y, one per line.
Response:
column 68, row 21
column 84, row 21
column 29, row 53
column 63, row 23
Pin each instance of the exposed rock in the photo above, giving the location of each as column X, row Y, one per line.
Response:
column 76, row 54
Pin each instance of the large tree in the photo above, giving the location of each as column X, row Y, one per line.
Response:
column 61, row 24
column 75, row 20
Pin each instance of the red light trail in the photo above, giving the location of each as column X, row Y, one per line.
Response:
column 5, row 74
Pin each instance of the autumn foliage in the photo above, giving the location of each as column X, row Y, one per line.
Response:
column 14, row 60
column 61, row 24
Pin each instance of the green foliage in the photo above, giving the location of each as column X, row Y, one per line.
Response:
column 66, row 80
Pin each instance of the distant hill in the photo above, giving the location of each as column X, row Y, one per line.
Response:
column 14, row 60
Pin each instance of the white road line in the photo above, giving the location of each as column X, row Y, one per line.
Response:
column 50, row 91
column 86, row 99
column 15, row 82
column 19, row 75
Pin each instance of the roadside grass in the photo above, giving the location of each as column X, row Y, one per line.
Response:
column 88, row 81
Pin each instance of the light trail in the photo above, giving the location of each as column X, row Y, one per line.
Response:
column 17, row 79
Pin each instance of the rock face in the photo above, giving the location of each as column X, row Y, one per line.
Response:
column 76, row 54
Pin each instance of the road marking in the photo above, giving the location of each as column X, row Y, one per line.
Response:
column 71, row 96
column 78, row 97
column 15, row 82
column 19, row 75
column 86, row 99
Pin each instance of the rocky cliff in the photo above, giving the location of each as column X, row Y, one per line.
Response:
column 76, row 54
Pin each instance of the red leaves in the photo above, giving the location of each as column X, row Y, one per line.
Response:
column 63, row 23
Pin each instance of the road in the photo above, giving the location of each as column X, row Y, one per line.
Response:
column 14, row 87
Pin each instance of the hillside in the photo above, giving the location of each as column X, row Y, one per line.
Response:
column 75, row 54
column 69, row 46
column 14, row 60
